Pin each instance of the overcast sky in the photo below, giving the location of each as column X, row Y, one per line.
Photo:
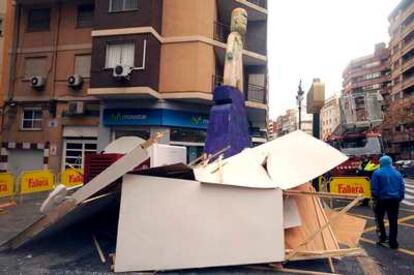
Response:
column 318, row 38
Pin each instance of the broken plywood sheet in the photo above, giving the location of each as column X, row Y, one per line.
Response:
column 282, row 157
column 109, row 175
column 348, row 229
column 167, row 224
column 291, row 217
column 313, row 218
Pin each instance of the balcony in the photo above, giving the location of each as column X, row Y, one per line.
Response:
column 256, row 9
column 408, row 82
column 407, row 47
column 364, row 71
column 407, row 29
column 254, row 93
column 369, row 82
column 254, row 43
column 407, row 64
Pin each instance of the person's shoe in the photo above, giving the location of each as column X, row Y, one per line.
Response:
column 394, row 245
column 382, row 241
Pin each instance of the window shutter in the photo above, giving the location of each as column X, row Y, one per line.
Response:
column 35, row 66
column 83, row 65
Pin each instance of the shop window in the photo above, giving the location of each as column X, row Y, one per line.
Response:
column 123, row 5
column 85, row 15
column 120, row 54
column 187, row 135
column 74, row 152
column 83, row 65
column 31, row 119
column 142, row 132
column 39, row 20
column 35, row 66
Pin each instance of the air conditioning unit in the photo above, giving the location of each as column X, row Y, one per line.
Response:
column 37, row 82
column 75, row 81
column 122, row 72
column 76, row 108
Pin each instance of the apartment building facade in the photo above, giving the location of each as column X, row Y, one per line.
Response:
column 399, row 115
column 330, row 116
column 368, row 73
column 88, row 72
column 284, row 124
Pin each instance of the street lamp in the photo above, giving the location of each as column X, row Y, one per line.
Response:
column 299, row 99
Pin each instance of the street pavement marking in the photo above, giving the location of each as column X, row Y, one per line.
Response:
column 406, row 224
column 362, row 216
column 373, row 228
column 402, row 250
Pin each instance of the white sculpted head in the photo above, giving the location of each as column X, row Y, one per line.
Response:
column 239, row 21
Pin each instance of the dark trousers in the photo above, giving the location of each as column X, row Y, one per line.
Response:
column 390, row 206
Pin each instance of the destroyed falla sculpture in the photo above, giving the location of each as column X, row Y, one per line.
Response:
column 233, row 66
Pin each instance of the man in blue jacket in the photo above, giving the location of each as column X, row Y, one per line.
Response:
column 387, row 188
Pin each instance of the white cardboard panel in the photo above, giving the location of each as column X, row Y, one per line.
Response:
column 290, row 160
column 291, row 216
column 167, row 224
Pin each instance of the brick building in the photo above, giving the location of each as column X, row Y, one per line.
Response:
column 399, row 118
column 86, row 72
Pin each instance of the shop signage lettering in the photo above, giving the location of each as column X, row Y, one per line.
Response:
column 350, row 185
column 36, row 181
column 6, row 184
column 349, row 189
column 72, row 177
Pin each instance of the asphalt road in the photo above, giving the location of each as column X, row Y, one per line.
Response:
column 72, row 251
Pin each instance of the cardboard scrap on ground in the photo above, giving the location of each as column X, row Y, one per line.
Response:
column 285, row 162
column 348, row 229
column 167, row 224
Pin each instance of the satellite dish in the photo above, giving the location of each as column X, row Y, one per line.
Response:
column 123, row 145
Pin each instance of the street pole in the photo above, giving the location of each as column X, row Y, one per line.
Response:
column 299, row 99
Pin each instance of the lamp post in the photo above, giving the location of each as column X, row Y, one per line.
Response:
column 299, row 99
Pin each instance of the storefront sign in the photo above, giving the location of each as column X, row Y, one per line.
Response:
column 6, row 184
column 351, row 185
column 155, row 117
column 72, row 177
column 36, row 181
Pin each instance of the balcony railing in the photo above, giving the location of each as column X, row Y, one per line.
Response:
column 260, row 3
column 255, row 93
column 253, row 43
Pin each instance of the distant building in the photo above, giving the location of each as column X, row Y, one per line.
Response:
column 398, row 129
column 330, row 116
column 368, row 73
column 306, row 124
column 284, row 124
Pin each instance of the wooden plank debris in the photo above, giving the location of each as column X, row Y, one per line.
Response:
column 325, row 226
column 98, row 249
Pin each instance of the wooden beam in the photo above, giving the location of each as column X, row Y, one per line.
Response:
column 321, row 194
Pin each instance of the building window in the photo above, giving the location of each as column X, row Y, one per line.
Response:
column 31, row 119
column 120, row 54
column 1, row 26
column 74, row 152
column 85, row 15
column 35, row 66
column 123, row 5
column 83, row 65
column 39, row 20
